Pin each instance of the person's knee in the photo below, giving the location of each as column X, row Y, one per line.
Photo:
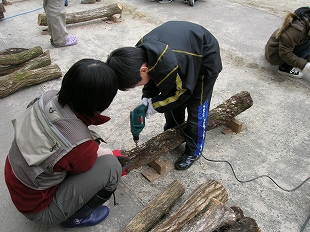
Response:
column 112, row 169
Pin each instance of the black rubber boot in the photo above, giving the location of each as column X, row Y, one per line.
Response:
column 185, row 161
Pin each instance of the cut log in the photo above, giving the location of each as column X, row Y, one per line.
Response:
column 197, row 203
column 226, row 111
column 83, row 16
column 2, row 10
column 37, row 62
column 243, row 224
column 168, row 140
column 20, row 57
column 17, row 80
column 214, row 217
column 12, row 51
column 150, row 215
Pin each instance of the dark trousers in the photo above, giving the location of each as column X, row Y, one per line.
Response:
column 302, row 50
column 76, row 190
column 197, row 116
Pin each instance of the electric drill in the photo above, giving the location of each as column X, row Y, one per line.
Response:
column 137, row 121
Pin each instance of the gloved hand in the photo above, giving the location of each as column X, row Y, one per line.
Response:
column 150, row 109
column 124, row 160
column 144, row 101
column 306, row 69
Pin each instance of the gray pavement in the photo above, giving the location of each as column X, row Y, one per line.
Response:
column 276, row 141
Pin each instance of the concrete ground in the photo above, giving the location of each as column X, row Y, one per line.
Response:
column 276, row 141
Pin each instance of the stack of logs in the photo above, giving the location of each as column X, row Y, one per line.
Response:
column 20, row 67
column 2, row 9
column 204, row 210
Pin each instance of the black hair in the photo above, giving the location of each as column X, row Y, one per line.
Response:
column 89, row 86
column 126, row 63
column 303, row 12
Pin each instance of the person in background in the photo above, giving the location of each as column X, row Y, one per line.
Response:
column 56, row 23
column 55, row 171
column 177, row 74
column 289, row 46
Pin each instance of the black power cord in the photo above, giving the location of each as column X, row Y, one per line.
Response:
column 246, row 181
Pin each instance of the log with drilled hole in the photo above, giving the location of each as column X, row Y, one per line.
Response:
column 168, row 140
column 87, row 15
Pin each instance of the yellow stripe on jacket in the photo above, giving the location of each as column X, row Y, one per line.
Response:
column 173, row 98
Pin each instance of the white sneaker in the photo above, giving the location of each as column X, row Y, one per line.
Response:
column 294, row 73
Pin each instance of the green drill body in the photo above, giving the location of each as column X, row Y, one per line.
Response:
column 137, row 121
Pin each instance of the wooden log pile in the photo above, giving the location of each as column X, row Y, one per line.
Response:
column 87, row 15
column 21, row 67
column 205, row 210
column 2, row 9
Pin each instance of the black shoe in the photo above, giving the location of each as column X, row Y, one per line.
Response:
column 289, row 71
column 185, row 161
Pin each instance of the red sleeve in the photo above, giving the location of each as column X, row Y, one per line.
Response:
column 79, row 159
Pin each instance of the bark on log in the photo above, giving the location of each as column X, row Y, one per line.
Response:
column 168, row 140
column 12, row 51
column 150, row 215
column 20, row 57
column 214, row 216
column 17, row 80
column 229, row 109
column 2, row 10
column 198, row 202
column 83, row 16
column 243, row 224
column 37, row 62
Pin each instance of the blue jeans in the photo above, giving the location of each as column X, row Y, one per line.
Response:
column 302, row 50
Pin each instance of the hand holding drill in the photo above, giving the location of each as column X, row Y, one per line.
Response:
column 150, row 109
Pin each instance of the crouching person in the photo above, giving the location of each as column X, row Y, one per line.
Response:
column 55, row 170
column 289, row 45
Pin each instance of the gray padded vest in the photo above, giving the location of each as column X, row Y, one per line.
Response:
column 45, row 133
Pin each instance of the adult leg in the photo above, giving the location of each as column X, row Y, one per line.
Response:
column 77, row 191
column 56, row 18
